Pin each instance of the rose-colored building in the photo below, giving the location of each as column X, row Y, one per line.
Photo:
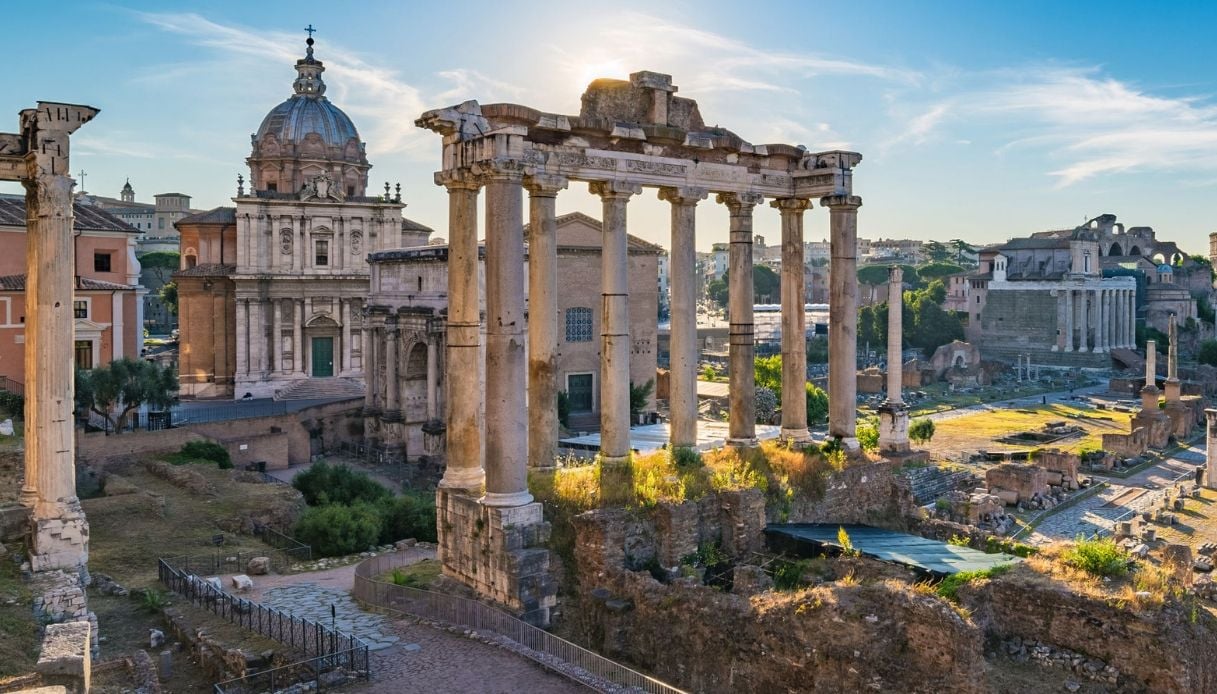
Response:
column 107, row 305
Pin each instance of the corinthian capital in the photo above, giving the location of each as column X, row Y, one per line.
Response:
column 740, row 202
column 791, row 204
column 457, row 179
column 544, row 184
column 841, row 202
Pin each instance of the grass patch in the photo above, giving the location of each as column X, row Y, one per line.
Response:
column 948, row 588
column 980, row 430
column 19, row 640
column 418, row 575
column 1102, row 558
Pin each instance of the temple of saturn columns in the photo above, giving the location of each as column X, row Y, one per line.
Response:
column 893, row 413
column 38, row 158
column 629, row 135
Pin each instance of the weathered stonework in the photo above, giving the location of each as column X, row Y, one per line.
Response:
column 498, row 551
column 66, row 657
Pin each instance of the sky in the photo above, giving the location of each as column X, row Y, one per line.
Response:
column 976, row 120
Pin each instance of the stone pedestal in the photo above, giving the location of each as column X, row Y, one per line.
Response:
column 59, row 538
column 894, row 428
column 498, row 551
column 66, row 659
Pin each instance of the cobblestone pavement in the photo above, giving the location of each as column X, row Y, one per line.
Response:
column 1097, row 512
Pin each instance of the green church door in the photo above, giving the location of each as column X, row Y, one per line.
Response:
column 323, row 357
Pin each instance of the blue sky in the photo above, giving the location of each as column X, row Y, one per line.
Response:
column 976, row 120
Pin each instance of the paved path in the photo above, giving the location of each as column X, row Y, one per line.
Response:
column 1062, row 396
column 408, row 657
column 1139, row 492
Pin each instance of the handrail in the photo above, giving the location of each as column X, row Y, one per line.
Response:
column 458, row 611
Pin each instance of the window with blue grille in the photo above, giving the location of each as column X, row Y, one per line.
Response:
column 578, row 324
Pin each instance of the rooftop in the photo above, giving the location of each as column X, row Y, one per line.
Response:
column 16, row 283
column 87, row 218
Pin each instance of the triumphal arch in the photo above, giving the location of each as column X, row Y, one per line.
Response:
column 628, row 135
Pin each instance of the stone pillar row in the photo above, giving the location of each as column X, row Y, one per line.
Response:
column 682, row 386
column 843, row 307
column 794, row 322
column 543, row 323
column 1096, row 320
column 741, row 345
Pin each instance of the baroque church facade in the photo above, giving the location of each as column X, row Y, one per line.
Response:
column 272, row 291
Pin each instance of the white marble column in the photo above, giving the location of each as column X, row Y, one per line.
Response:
column 1173, row 387
column 344, row 314
column 893, row 415
column 464, row 412
column 843, row 312
column 279, row 365
column 432, row 379
column 682, row 278
column 1067, row 298
column 794, row 322
column 543, row 319
column 1132, row 318
column 506, row 398
column 1100, row 320
column 298, row 335
column 615, row 322
column 741, row 427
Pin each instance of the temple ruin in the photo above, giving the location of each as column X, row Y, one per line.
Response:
column 629, row 135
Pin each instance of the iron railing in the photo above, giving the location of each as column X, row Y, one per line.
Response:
column 311, row 671
column 312, row 639
column 10, row 386
column 291, row 549
column 541, row 645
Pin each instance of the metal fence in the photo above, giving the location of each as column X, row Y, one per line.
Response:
column 312, row 671
column 312, row 639
column 292, row 550
column 450, row 609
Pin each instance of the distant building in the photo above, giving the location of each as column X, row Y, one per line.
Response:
column 106, row 303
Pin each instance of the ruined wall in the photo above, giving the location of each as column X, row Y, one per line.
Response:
column 874, row 494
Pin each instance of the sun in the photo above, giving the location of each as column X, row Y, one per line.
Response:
column 586, row 73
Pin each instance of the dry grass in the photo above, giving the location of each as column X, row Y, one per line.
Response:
column 1145, row 586
column 972, row 432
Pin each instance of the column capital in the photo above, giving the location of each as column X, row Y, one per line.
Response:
column 895, row 275
column 841, row 202
column 615, row 189
column 543, row 185
column 787, row 205
column 458, row 179
column 683, row 196
column 739, row 202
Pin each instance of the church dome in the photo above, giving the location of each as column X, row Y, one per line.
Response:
column 307, row 137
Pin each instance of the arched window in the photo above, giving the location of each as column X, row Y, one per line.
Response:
column 579, row 324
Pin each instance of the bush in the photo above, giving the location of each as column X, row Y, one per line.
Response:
column 686, row 458
column 153, row 600
column 12, row 403
column 817, row 404
column 206, row 450
column 709, row 373
column 640, row 395
column 766, row 404
column 921, row 430
column 1207, row 354
column 868, row 436
column 949, row 587
column 409, row 515
column 335, row 530
column 324, row 484
column 1102, row 558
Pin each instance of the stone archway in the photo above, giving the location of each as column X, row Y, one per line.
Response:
column 1135, row 250
column 322, row 342
column 1115, row 249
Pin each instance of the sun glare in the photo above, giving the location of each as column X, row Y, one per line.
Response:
column 591, row 71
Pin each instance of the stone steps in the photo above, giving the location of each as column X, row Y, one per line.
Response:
column 322, row 389
column 929, row 483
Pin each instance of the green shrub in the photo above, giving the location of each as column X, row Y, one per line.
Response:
column 959, row 541
column 921, row 430
column 1102, row 558
column 409, row 515
column 153, row 600
column 334, row 530
column 868, row 436
column 206, row 450
column 686, row 458
column 640, row 395
column 949, row 587
column 324, row 484
column 994, row 545
column 847, row 544
column 12, row 403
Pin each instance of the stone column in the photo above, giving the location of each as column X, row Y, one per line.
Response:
column 59, row 536
column 1132, row 317
column 1149, row 393
column 893, row 414
column 432, row 379
column 615, row 323
column 242, row 329
column 392, row 383
column 1099, row 319
column 682, row 279
column 794, row 322
column 506, row 398
column 1210, row 473
column 542, row 319
column 1173, row 388
column 298, row 335
column 344, row 314
column 376, row 357
column 1079, row 320
column 741, row 429
column 463, row 404
column 1112, row 311
column 843, row 312
column 257, row 338
column 278, row 365
column 369, row 369
column 1068, row 328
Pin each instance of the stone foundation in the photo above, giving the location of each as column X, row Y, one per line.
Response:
column 1128, row 445
column 1021, row 482
column 1157, row 427
column 66, row 658
column 498, row 551
column 1062, row 467
column 60, row 540
column 893, row 428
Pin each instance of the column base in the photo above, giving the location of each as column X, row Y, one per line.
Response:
column 506, row 500
column 849, row 444
column 893, row 427
column 742, row 443
column 469, row 481
column 59, row 537
column 797, row 435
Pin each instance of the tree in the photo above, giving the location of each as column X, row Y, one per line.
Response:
column 921, row 430
column 817, row 350
column 639, row 395
column 162, row 264
column 1207, row 354
column 934, row 271
column 718, row 292
column 817, row 404
column 168, row 294
column 768, row 373
column 936, row 251
column 766, row 287
column 122, row 386
column 872, row 274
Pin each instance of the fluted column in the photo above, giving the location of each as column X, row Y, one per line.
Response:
column 1081, row 320
column 1132, row 318
column 276, row 342
column 506, row 398
column 298, row 335
column 843, row 314
column 1098, row 320
column 1067, row 299
column 741, row 429
column 542, row 319
column 615, row 322
column 392, row 384
column 794, row 321
column 463, row 404
column 682, row 278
